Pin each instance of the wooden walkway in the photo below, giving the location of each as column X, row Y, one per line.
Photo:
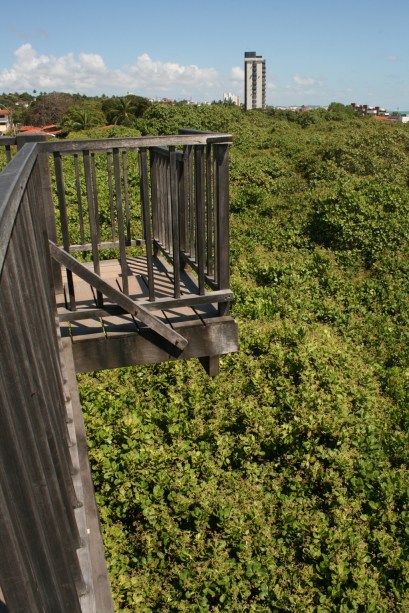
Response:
column 91, row 324
column 62, row 198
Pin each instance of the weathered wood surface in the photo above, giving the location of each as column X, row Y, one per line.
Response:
column 44, row 561
column 129, row 305
column 39, row 568
column 207, row 338
column 150, row 305
column 13, row 181
column 197, row 314
column 199, row 138
column 98, row 577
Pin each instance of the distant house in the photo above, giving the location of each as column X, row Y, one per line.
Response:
column 50, row 130
column 5, row 121
column 365, row 109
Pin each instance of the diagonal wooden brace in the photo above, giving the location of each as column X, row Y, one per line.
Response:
column 124, row 301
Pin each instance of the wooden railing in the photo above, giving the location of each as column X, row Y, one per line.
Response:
column 180, row 207
column 173, row 200
column 190, row 210
column 39, row 566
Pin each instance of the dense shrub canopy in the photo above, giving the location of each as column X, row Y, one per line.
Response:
column 282, row 485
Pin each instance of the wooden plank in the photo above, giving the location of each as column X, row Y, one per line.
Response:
column 174, row 194
column 200, row 215
column 153, row 165
column 100, row 579
column 35, row 269
column 220, row 296
column 209, row 211
column 65, row 315
column 219, row 336
column 93, row 222
column 222, row 220
column 41, row 507
column 191, row 202
column 106, row 245
column 120, row 324
column 182, row 201
column 146, row 221
column 42, row 337
column 167, row 197
column 62, row 206
column 124, row 301
column 49, row 211
column 111, row 197
column 18, row 582
column 196, row 138
column 126, row 196
column 88, row 328
column 120, row 217
column 95, row 196
column 79, row 198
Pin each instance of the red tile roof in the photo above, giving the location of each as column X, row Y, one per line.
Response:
column 51, row 130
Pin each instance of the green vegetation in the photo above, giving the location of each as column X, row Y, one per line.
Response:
column 73, row 112
column 282, row 485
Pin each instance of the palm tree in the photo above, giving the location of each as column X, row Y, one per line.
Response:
column 83, row 119
column 122, row 112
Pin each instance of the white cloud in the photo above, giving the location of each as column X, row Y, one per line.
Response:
column 306, row 81
column 148, row 73
column 392, row 58
column 237, row 74
column 88, row 73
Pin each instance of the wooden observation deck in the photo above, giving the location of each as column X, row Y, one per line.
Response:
column 113, row 252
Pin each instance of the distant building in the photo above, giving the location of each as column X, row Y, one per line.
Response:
column 229, row 97
column 365, row 110
column 5, row 121
column 254, row 81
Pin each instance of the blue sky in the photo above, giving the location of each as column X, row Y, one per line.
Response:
column 316, row 52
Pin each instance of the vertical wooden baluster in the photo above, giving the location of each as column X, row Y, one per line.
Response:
column 79, row 198
column 169, row 227
column 120, row 217
column 92, row 219
column 163, row 200
column 174, row 192
column 182, row 201
column 62, row 206
column 192, row 200
column 154, row 199
column 95, row 197
column 126, row 196
column 111, row 197
column 144, row 187
column 209, row 211
column 200, row 214
column 222, row 199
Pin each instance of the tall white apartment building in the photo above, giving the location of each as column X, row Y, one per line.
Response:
column 254, row 81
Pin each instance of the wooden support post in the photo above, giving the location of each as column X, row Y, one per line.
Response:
column 211, row 364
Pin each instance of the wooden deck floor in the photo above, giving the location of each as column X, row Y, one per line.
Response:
column 111, row 324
